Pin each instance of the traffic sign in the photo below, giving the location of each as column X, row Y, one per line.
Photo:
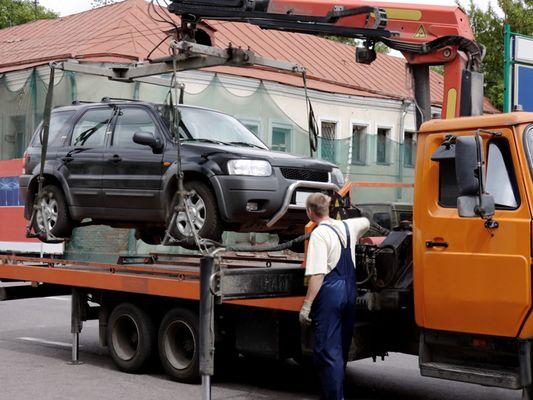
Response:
column 518, row 71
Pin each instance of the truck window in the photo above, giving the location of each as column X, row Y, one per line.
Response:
column 448, row 191
column 90, row 129
column 131, row 120
column 501, row 179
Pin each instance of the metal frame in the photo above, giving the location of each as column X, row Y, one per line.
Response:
column 189, row 56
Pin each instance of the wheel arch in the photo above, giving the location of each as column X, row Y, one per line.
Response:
column 49, row 179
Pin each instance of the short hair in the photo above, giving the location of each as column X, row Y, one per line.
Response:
column 318, row 203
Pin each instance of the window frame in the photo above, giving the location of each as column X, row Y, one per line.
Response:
column 281, row 125
column 413, row 153
column 388, row 137
column 251, row 121
column 337, row 123
column 366, row 125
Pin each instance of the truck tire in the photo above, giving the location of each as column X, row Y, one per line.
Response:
column 178, row 341
column 204, row 213
column 58, row 219
column 130, row 337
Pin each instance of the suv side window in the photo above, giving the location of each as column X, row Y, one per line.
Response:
column 58, row 121
column 131, row 120
column 501, row 179
column 90, row 129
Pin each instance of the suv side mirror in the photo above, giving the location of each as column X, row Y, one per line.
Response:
column 469, row 168
column 147, row 139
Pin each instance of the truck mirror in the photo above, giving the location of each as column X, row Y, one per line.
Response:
column 472, row 201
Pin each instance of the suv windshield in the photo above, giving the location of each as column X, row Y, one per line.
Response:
column 212, row 126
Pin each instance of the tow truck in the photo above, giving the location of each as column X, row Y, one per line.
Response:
column 455, row 288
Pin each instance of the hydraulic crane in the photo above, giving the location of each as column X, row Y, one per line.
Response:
column 426, row 35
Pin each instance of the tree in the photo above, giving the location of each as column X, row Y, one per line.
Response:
column 487, row 26
column 19, row 12
column 101, row 3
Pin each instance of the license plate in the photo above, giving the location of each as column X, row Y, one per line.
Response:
column 301, row 198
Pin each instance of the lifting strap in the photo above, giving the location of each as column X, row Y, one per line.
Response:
column 312, row 126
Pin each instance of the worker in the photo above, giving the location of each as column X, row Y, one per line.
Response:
column 329, row 306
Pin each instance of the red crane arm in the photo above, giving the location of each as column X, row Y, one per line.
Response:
column 425, row 34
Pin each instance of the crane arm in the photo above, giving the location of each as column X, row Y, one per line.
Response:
column 425, row 34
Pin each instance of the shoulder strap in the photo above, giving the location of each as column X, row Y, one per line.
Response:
column 337, row 233
column 347, row 234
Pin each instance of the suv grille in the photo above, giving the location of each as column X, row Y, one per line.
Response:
column 302, row 174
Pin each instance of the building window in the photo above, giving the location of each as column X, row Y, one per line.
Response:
column 359, row 144
column 382, row 154
column 327, row 148
column 252, row 126
column 409, row 143
column 281, row 138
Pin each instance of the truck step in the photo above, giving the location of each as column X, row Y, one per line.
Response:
column 488, row 377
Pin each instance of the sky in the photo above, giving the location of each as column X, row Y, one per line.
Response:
column 74, row 6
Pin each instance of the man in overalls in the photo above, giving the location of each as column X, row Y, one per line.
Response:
column 329, row 305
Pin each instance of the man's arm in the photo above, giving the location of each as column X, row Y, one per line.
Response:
column 314, row 284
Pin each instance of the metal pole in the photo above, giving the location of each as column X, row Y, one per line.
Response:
column 76, row 325
column 207, row 332
column 507, row 69
column 422, row 96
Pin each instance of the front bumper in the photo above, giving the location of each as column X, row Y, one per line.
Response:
column 274, row 195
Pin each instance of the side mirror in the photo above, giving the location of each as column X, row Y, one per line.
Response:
column 147, row 139
column 472, row 200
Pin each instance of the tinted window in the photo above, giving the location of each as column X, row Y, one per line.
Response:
column 382, row 152
column 57, row 129
column 90, row 130
column 448, row 190
column 132, row 120
column 501, row 180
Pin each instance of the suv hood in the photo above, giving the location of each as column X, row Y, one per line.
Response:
column 276, row 158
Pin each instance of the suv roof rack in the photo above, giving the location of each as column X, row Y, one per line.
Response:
column 77, row 102
column 110, row 99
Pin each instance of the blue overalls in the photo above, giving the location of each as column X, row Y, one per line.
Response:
column 333, row 316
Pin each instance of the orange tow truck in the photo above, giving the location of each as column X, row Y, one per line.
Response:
column 454, row 287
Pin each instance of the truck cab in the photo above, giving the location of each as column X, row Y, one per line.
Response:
column 472, row 268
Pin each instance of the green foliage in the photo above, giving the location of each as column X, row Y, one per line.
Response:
column 19, row 12
column 488, row 30
column 379, row 47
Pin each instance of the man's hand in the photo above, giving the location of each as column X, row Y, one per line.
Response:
column 304, row 313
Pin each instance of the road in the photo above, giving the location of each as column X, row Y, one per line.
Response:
column 34, row 350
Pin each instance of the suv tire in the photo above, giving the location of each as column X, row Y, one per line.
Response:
column 205, row 216
column 59, row 222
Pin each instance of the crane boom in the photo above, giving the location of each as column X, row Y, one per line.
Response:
column 425, row 34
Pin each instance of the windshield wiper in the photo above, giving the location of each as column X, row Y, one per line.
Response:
column 247, row 144
column 203, row 140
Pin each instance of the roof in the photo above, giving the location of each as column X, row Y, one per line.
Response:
column 125, row 31
column 480, row 122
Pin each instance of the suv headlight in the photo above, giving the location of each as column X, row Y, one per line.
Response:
column 249, row 167
column 337, row 177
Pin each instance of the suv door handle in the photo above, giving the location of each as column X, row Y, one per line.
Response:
column 115, row 158
column 431, row 244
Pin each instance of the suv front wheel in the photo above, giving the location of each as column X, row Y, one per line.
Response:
column 203, row 213
column 52, row 210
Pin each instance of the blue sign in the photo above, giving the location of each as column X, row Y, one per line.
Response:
column 524, row 87
column 9, row 192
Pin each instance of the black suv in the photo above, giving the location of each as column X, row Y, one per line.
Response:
column 115, row 163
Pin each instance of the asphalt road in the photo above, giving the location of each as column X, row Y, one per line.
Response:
column 35, row 349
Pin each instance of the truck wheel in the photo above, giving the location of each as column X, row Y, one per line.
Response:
column 178, row 345
column 204, row 215
column 130, row 337
column 56, row 215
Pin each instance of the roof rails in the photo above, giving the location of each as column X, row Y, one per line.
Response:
column 78, row 102
column 110, row 99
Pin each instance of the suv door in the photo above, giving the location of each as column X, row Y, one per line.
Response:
column 84, row 157
column 133, row 172
column 469, row 278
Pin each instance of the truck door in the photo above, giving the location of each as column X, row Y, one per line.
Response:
column 469, row 278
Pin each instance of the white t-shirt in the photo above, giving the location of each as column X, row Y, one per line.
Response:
column 324, row 249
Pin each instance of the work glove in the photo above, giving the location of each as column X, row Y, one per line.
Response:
column 304, row 313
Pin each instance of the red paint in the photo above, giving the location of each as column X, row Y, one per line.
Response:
column 11, row 167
